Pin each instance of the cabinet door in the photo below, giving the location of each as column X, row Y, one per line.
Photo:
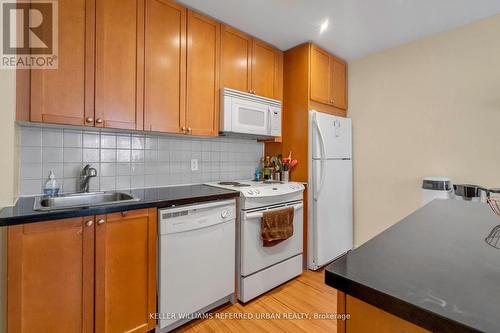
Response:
column 338, row 83
column 236, row 49
column 50, row 276
column 125, row 280
column 65, row 95
column 266, row 62
column 165, row 66
column 119, row 63
column 320, row 75
column 203, row 62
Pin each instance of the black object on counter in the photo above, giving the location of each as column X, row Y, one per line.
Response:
column 469, row 192
column 433, row 269
column 160, row 197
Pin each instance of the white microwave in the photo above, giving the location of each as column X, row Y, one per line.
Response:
column 249, row 115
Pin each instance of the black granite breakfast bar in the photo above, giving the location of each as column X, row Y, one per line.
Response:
column 433, row 270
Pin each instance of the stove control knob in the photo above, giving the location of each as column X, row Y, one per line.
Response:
column 257, row 192
column 250, row 192
column 223, row 214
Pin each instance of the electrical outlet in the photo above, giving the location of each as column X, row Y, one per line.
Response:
column 194, row 164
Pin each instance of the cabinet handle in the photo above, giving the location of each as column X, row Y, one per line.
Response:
column 124, row 214
column 98, row 121
column 183, row 129
column 255, row 92
column 89, row 120
column 101, row 221
column 189, row 129
column 89, row 223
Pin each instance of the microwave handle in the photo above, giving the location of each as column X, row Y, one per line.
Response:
column 255, row 215
column 269, row 125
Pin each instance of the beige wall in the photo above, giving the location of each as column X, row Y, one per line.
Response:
column 8, row 168
column 431, row 107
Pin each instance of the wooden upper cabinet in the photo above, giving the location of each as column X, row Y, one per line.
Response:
column 65, row 95
column 328, row 79
column 250, row 65
column 119, row 64
column 338, row 87
column 320, row 75
column 203, row 65
column 266, row 71
column 165, row 66
column 125, row 280
column 50, row 277
column 236, row 59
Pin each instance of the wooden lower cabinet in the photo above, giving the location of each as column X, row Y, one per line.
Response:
column 125, row 279
column 50, row 277
column 364, row 317
column 93, row 274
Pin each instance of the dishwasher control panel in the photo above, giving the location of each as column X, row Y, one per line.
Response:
column 184, row 218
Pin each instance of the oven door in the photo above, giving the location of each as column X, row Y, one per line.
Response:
column 250, row 117
column 254, row 256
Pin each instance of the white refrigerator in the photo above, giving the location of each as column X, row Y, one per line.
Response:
column 330, row 188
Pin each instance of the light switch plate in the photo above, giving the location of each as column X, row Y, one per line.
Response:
column 194, row 164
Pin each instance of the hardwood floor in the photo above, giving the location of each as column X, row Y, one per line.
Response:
column 306, row 295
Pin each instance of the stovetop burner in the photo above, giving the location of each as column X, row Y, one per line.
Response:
column 236, row 184
column 272, row 182
column 229, row 183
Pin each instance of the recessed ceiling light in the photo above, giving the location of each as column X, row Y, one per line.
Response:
column 324, row 26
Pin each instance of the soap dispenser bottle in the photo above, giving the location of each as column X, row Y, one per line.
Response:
column 51, row 188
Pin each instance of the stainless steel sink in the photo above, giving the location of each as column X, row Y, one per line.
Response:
column 77, row 200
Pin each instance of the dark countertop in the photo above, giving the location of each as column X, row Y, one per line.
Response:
column 160, row 197
column 433, row 269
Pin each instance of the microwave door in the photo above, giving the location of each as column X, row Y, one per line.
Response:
column 250, row 118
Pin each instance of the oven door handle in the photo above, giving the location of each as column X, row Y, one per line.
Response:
column 256, row 215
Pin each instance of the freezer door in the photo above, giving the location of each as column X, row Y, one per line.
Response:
column 331, row 136
column 332, row 225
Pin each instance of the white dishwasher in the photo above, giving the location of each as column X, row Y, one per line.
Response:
column 196, row 259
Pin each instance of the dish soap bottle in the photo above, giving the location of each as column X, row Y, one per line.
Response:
column 51, row 188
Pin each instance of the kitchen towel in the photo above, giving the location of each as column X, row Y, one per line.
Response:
column 276, row 226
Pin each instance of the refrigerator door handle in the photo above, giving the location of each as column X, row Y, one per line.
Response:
column 322, row 160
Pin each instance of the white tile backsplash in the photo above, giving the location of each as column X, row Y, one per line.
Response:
column 129, row 160
column 70, row 138
column 52, row 138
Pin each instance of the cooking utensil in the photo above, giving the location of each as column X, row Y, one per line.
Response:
column 494, row 205
column 493, row 238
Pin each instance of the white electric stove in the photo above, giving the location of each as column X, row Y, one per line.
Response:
column 262, row 268
column 263, row 193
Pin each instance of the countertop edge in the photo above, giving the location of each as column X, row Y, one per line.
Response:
column 393, row 305
column 98, row 210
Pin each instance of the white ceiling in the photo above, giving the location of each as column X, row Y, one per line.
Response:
column 356, row 27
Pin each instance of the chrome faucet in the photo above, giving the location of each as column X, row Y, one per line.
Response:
column 85, row 176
